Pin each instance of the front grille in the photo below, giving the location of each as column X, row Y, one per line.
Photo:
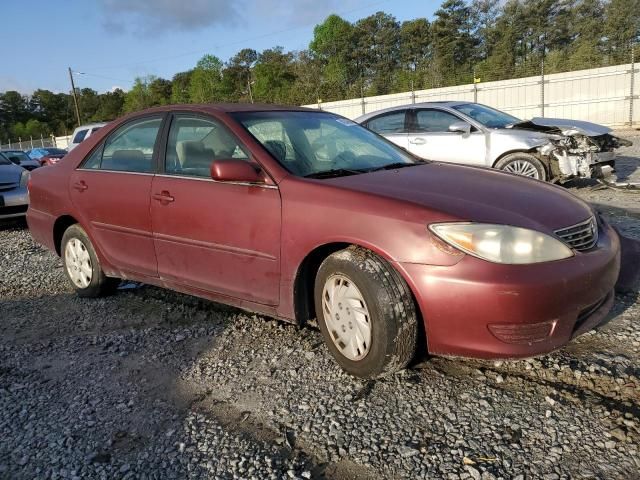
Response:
column 13, row 209
column 582, row 236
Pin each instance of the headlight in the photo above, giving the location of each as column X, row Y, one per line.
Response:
column 502, row 243
column 24, row 178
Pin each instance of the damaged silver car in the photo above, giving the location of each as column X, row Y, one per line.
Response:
column 547, row 149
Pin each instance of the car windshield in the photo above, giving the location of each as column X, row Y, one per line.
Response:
column 487, row 116
column 4, row 160
column 17, row 157
column 318, row 144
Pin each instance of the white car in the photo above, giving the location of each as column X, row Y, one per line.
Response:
column 547, row 149
column 83, row 132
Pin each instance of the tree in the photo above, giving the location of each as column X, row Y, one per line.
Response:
column 415, row 52
column 180, row 87
column 147, row 92
column 206, row 81
column 453, row 43
column 621, row 28
column 377, row 51
column 274, row 76
column 237, row 76
column 332, row 47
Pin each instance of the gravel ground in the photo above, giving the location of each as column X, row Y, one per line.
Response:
column 153, row 384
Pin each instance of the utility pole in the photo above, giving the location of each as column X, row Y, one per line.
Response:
column 75, row 97
column 249, row 86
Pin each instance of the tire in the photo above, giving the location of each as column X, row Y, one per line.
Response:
column 524, row 164
column 82, row 267
column 384, row 303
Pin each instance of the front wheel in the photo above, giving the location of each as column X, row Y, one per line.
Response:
column 524, row 164
column 82, row 266
column 365, row 312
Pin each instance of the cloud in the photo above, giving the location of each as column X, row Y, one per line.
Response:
column 305, row 12
column 159, row 17
column 151, row 17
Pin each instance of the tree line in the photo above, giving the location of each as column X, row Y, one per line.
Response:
column 480, row 39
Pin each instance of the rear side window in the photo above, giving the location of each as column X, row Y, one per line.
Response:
column 128, row 149
column 434, row 121
column 388, row 123
column 80, row 136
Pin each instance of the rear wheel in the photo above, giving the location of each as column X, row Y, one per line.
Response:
column 82, row 266
column 524, row 164
column 365, row 312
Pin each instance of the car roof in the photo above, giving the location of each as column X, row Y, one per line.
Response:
column 225, row 108
column 439, row 103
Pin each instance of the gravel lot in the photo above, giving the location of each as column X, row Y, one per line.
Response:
column 154, row 384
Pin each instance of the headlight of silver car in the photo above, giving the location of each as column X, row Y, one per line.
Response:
column 502, row 243
column 24, row 178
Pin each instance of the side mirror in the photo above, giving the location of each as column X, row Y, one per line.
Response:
column 233, row 170
column 460, row 127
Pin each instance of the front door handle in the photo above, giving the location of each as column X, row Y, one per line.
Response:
column 80, row 186
column 163, row 197
column 417, row 141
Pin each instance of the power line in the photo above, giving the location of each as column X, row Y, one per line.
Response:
column 230, row 44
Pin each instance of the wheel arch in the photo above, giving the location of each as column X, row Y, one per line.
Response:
column 59, row 227
column 303, row 286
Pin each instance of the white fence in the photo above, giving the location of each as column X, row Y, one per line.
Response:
column 608, row 95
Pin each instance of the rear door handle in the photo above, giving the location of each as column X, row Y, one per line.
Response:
column 80, row 186
column 417, row 141
column 163, row 197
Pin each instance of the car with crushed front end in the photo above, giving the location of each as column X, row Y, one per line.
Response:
column 14, row 198
column 304, row 215
column 551, row 149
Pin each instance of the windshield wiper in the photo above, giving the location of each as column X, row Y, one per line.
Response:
column 393, row 166
column 335, row 172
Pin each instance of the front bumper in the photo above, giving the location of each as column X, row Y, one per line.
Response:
column 486, row 310
column 14, row 203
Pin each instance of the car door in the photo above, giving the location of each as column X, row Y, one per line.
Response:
column 221, row 237
column 392, row 126
column 430, row 138
column 111, row 190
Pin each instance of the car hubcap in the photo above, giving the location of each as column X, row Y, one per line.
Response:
column 347, row 317
column 78, row 263
column 524, row 168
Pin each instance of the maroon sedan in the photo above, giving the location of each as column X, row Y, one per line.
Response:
column 301, row 214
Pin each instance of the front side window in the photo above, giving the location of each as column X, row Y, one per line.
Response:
column 388, row 123
column 128, row 149
column 195, row 142
column 434, row 121
column 312, row 143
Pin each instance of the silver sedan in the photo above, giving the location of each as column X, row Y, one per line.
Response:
column 474, row 134
column 14, row 198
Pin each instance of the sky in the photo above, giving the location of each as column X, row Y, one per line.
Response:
column 108, row 43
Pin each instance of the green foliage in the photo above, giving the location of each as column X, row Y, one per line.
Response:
column 483, row 39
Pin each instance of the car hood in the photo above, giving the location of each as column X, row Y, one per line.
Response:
column 561, row 126
column 10, row 173
column 460, row 193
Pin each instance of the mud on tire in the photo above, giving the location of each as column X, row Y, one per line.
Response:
column 389, row 302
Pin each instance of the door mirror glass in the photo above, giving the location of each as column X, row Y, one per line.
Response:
column 460, row 127
column 233, row 170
